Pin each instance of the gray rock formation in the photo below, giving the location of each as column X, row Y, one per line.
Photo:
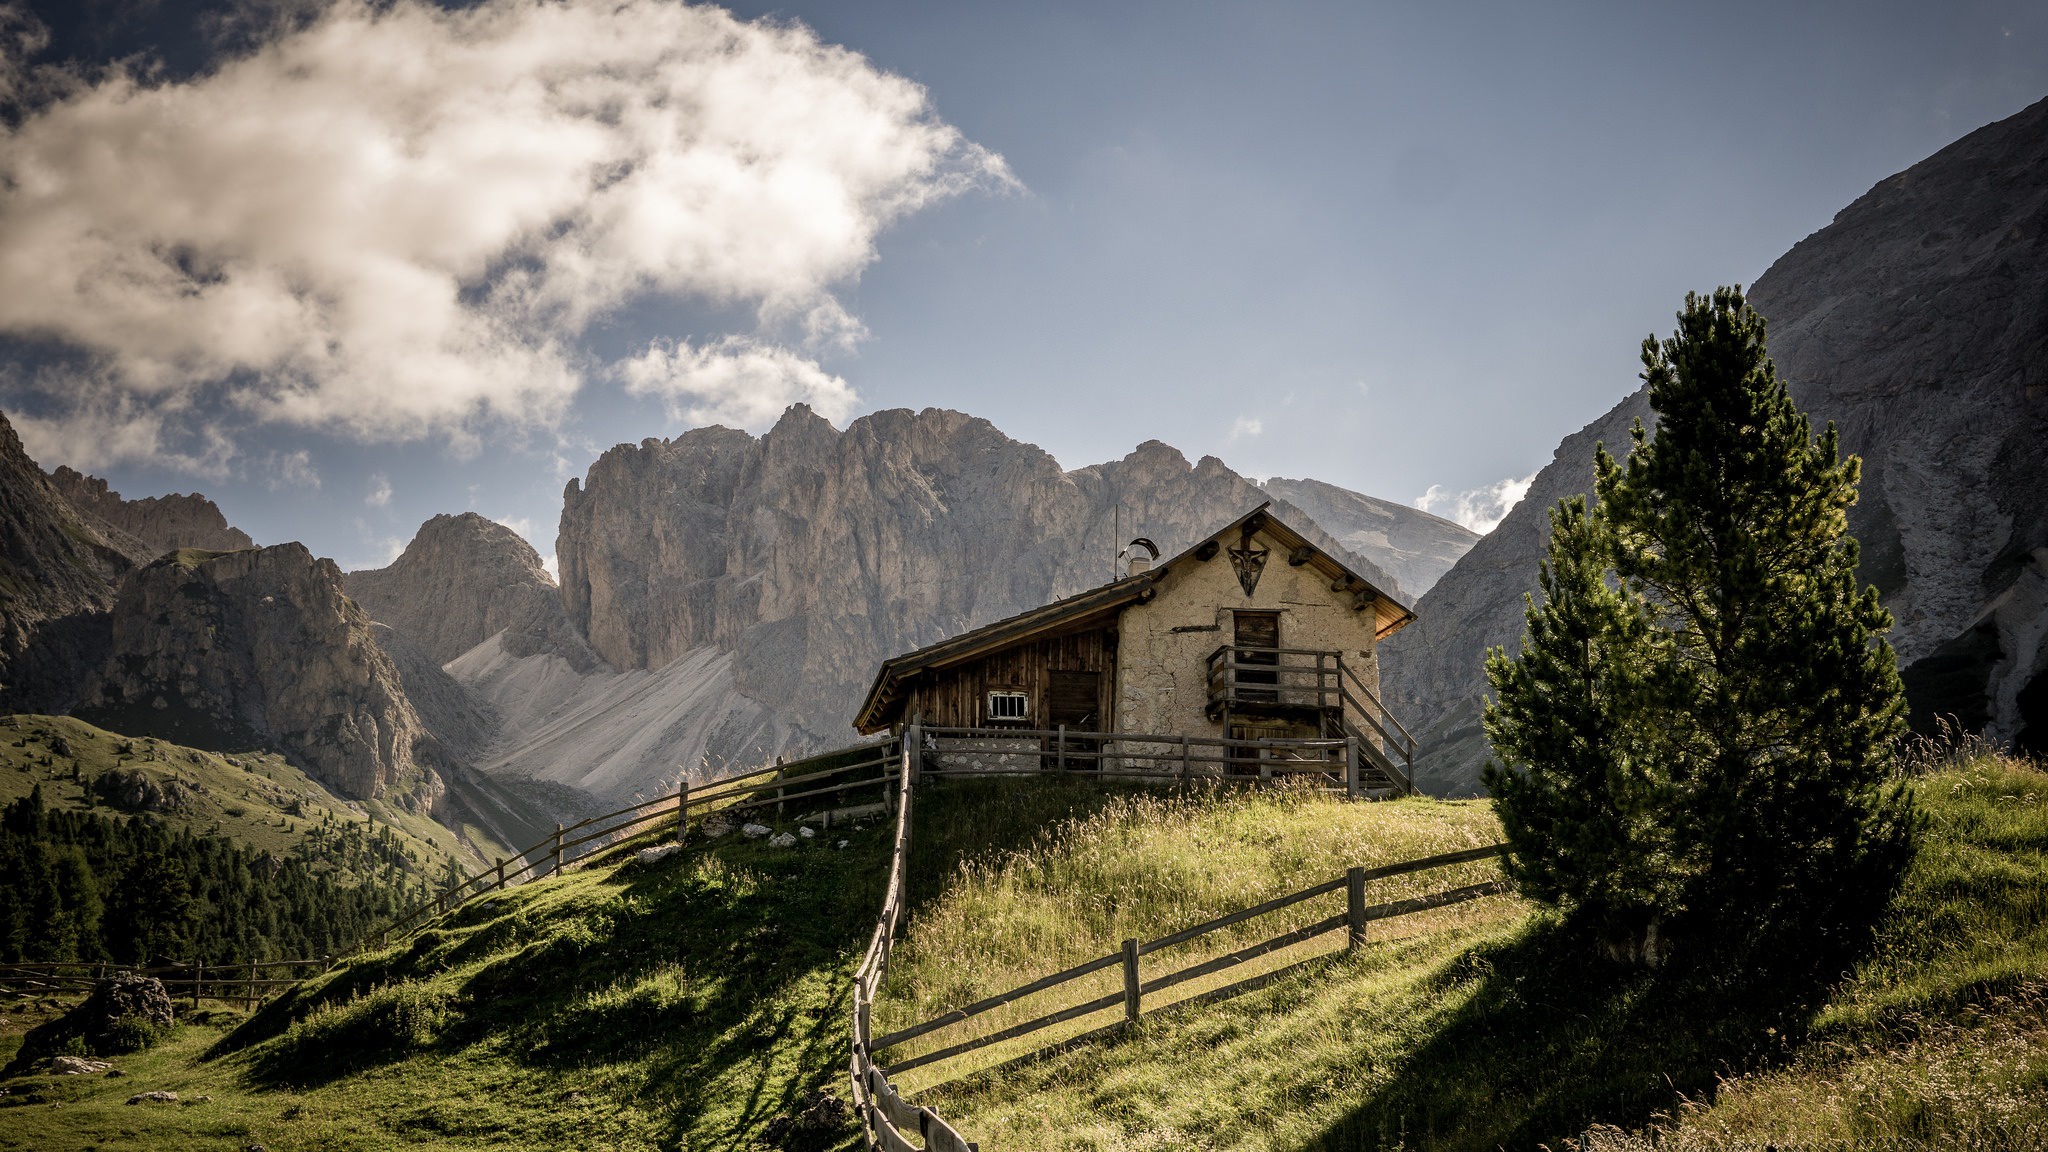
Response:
column 1414, row 546
column 161, row 523
column 260, row 646
column 745, row 589
column 463, row 580
column 462, row 722
column 58, row 571
column 1918, row 322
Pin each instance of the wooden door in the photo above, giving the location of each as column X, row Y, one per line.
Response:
column 1257, row 630
column 1075, row 699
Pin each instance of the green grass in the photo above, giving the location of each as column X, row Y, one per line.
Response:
column 1268, row 1068
column 686, row 1004
column 690, row 1004
column 1940, row 1037
column 1494, row 1029
column 253, row 798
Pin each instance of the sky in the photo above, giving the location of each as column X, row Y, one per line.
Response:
column 343, row 266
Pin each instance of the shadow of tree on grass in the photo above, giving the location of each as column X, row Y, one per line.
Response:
column 1550, row 1040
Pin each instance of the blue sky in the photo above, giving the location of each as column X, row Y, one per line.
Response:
column 1394, row 247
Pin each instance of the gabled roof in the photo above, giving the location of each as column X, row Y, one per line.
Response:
column 1058, row 616
column 1390, row 615
column 1103, row 603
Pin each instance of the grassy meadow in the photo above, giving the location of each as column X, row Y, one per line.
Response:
column 701, row 1002
column 256, row 799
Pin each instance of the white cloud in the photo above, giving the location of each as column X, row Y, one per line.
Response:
column 289, row 470
column 735, row 381
column 547, row 562
column 1480, row 509
column 380, row 491
column 398, row 220
column 1246, row 426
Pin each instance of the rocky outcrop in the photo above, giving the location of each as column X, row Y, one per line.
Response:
column 58, row 572
column 261, row 646
column 463, row 580
column 126, row 1012
column 462, row 723
column 1918, row 323
column 1414, row 546
column 161, row 523
column 746, row 588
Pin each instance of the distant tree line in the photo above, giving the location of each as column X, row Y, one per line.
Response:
column 80, row 886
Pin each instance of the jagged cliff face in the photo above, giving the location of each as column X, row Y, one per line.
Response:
column 1918, row 322
column 160, row 523
column 801, row 559
column 462, row 580
column 261, row 645
column 58, row 571
column 1414, row 546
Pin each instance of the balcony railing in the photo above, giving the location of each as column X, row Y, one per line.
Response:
column 1248, row 679
column 1242, row 677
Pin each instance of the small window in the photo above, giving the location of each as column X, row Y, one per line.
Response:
column 1008, row 706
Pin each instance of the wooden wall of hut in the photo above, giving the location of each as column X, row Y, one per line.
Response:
column 958, row 697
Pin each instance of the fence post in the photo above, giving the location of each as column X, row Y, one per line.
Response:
column 914, row 751
column 682, row 810
column 1130, row 981
column 198, row 978
column 1351, row 781
column 1354, row 907
column 501, row 872
column 1060, row 757
column 252, row 984
column 556, row 868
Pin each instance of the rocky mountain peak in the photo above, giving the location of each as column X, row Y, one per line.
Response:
column 462, row 580
column 1916, row 322
column 199, row 642
column 58, row 572
column 1416, row 547
column 161, row 523
column 807, row 555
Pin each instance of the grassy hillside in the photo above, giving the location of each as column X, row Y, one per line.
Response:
column 701, row 1002
column 1269, row 1068
column 1492, row 1029
column 253, row 798
column 683, row 1005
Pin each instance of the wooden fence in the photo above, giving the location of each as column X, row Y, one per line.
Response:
column 1345, row 764
column 246, row 983
column 1131, row 998
column 799, row 780
column 802, row 781
column 884, row 1115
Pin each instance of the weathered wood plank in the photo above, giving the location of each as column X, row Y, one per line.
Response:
column 1114, row 999
column 998, row 1000
column 1232, row 959
column 1238, row 917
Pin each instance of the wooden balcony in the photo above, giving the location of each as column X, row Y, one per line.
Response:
column 1274, row 681
column 1309, row 683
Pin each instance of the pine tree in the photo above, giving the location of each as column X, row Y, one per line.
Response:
column 1585, row 814
column 1745, row 699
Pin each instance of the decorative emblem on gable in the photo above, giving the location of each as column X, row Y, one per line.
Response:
column 1249, row 562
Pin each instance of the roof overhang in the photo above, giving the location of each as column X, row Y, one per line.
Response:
column 1095, row 606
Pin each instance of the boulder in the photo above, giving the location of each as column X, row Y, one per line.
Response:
column 126, row 1012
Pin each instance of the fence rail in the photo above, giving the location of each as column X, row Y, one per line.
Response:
column 748, row 791
column 1349, row 764
column 732, row 795
column 884, row 1114
column 245, row 982
column 1356, row 916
